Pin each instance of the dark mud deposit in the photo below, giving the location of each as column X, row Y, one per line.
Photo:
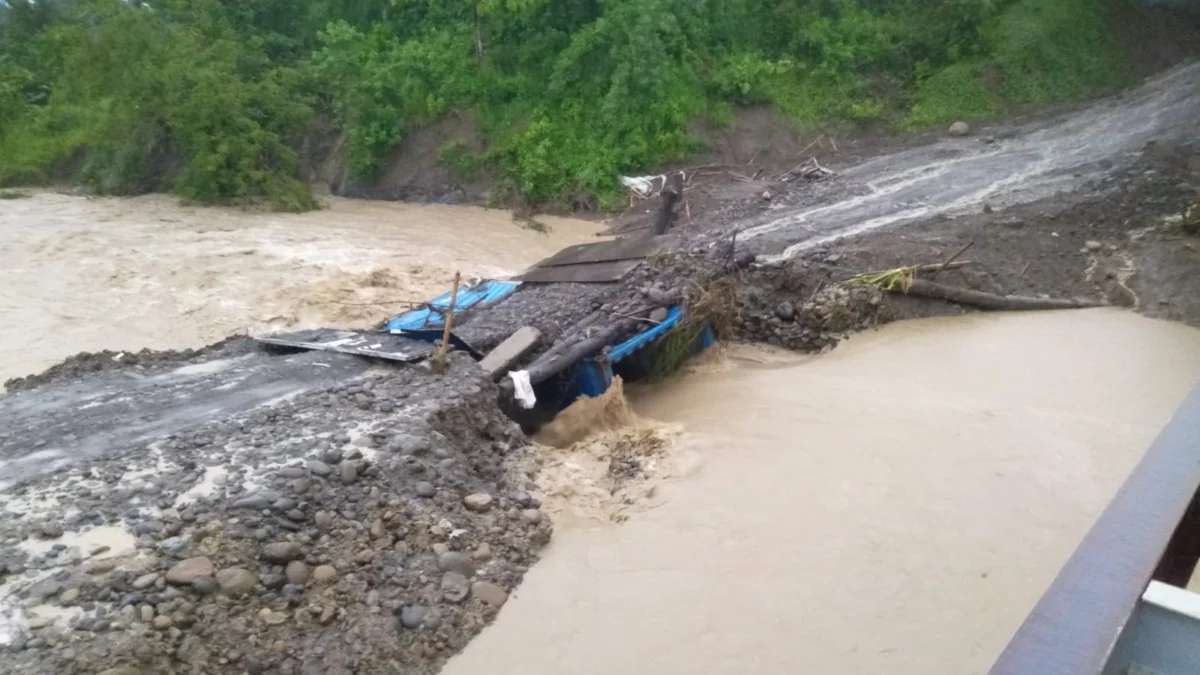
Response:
column 1116, row 241
column 238, row 511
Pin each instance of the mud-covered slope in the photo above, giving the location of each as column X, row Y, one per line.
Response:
column 1001, row 167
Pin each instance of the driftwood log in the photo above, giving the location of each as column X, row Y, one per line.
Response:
column 964, row 296
column 669, row 196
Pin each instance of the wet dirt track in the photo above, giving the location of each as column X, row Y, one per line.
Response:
column 958, row 175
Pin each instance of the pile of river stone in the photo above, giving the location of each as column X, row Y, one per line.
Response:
column 800, row 307
column 371, row 527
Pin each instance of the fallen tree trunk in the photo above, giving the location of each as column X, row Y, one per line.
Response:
column 964, row 296
column 670, row 194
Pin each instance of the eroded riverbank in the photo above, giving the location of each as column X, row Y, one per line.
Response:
column 896, row 505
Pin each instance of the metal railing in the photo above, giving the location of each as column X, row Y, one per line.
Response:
column 1150, row 530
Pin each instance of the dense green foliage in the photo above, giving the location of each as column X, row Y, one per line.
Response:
column 212, row 98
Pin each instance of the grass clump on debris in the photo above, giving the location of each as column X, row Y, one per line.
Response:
column 899, row 279
column 707, row 306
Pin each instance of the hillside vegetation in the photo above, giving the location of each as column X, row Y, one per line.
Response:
column 211, row 98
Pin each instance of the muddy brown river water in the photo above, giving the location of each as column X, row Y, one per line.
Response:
column 895, row 506
column 80, row 274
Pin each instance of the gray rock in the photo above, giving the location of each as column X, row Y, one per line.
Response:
column 319, row 468
column 489, row 593
column 453, row 561
column 272, row 617
column 51, row 530
column 171, row 545
column 256, row 500
column 324, row 574
column 186, row 571
column 478, row 502
column 146, row 613
column 281, row 552
column 786, row 311
column 959, row 128
column 662, row 297
column 409, row 444
column 236, row 581
column 99, row 567
column 300, row 485
column 455, row 587
column 412, row 616
column 204, row 585
column 425, row 489
column 659, row 314
column 482, row 552
column 145, row 527
column 532, row 515
column 323, row 519
column 297, row 573
column 145, row 581
column 348, row 471
column 1092, row 245
column 273, row 581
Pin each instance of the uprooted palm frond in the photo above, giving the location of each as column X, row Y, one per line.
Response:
column 899, row 279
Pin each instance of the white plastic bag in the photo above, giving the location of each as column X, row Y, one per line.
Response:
column 643, row 185
column 522, row 389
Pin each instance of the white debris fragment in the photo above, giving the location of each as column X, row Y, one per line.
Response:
column 522, row 389
column 643, row 185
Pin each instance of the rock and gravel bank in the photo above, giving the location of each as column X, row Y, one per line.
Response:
column 371, row 525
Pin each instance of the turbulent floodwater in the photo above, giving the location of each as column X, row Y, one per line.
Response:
column 895, row 506
column 80, row 274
